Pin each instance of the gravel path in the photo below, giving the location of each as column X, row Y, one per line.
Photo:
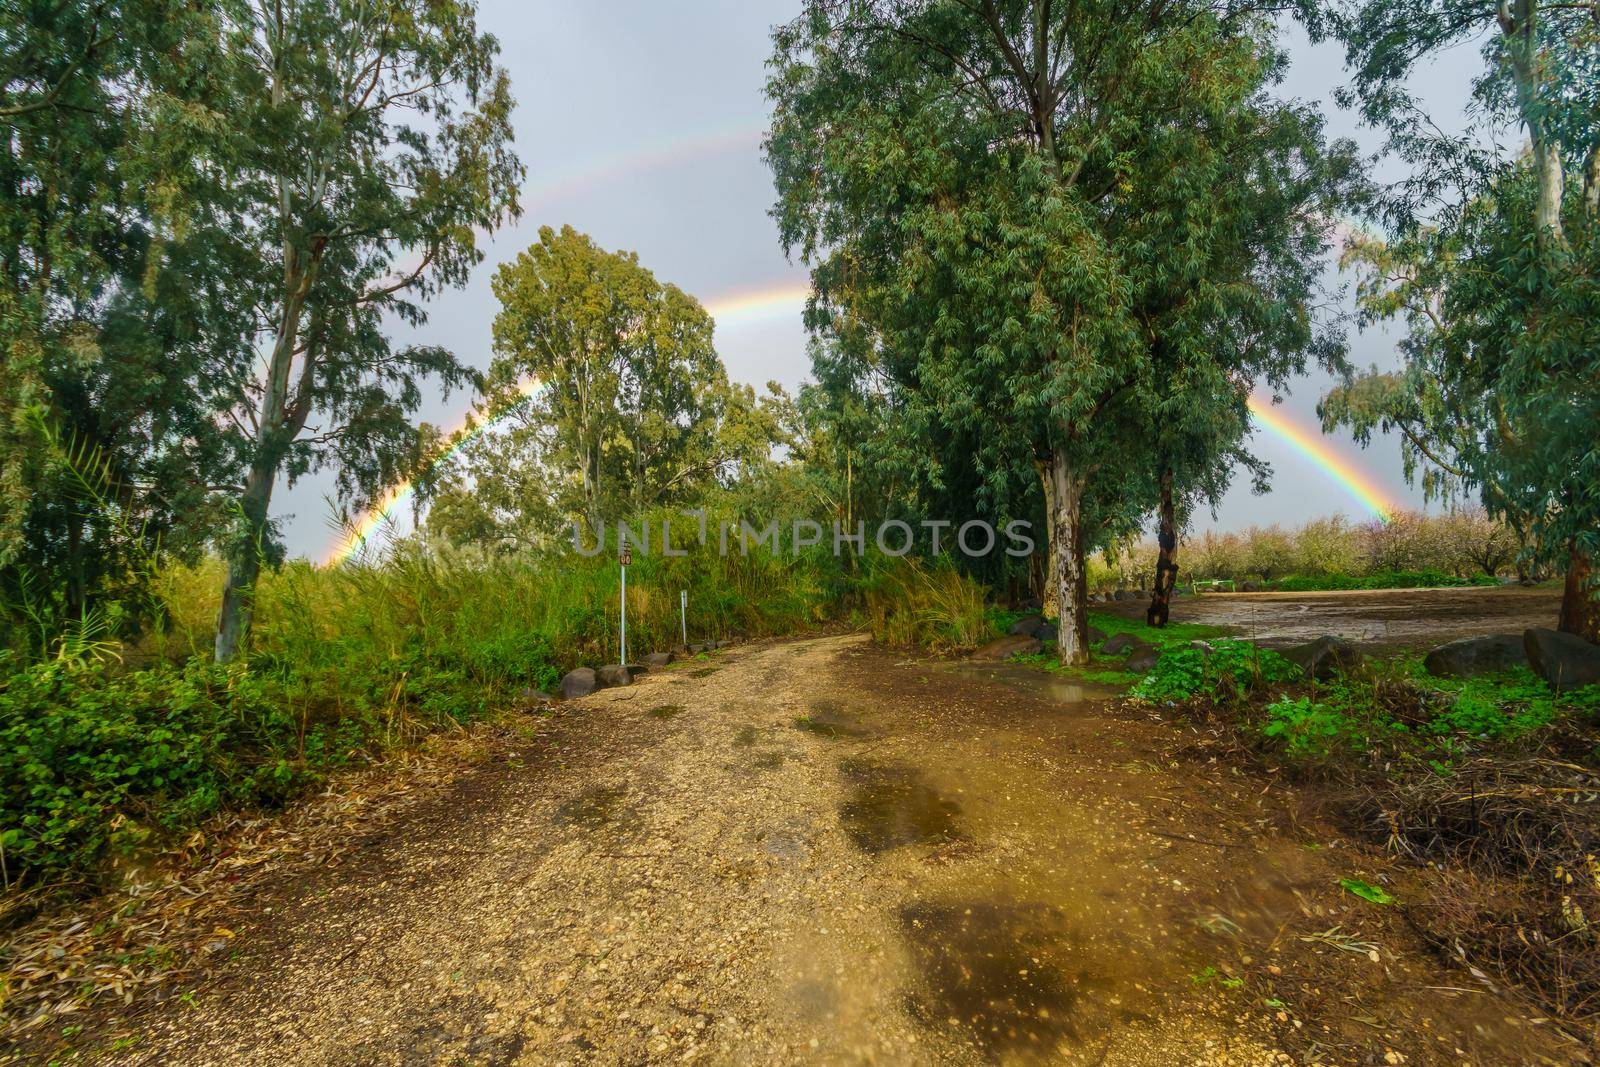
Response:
column 813, row 851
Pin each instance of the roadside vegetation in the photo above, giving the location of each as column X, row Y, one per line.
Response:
column 1485, row 784
column 1407, row 550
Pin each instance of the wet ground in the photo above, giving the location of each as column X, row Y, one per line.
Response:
column 825, row 853
column 1385, row 618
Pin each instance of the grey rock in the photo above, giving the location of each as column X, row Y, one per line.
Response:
column 1046, row 632
column 1472, row 656
column 1027, row 626
column 1142, row 659
column 532, row 696
column 1003, row 648
column 657, row 660
column 1117, row 644
column 1325, row 656
column 578, row 683
column 1564, row 660
column 614, row 674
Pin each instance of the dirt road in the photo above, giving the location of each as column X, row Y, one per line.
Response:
column 814, row 851
column 1378, row 618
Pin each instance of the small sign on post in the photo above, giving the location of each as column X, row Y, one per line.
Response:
column 683, row 614
column 624, row 557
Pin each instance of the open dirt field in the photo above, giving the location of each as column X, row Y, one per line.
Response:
column 1386, row 618
column 817, row 851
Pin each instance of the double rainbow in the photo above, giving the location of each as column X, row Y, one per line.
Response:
column 749, row 305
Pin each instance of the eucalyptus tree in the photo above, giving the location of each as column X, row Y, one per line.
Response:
column 608, row 382
column 1493, row 260
column 1230, row 232
column 952, row 169
column 106, row 441
column 361, row 146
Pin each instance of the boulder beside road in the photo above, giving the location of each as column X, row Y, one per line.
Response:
column 578, row 683
column 1003, row 648
column 1472, row 656
column 1564, row 660
column 614, row 674
column 1142, row 659
column 1117, row 644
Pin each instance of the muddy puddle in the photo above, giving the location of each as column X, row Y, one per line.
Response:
column 1044, row 683
column 1006, row 977
column 890, row 806
column 830, row 719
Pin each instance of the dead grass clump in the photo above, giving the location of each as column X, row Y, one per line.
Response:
column 1522, row 898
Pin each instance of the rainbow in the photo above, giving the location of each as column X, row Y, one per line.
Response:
column 732, row 309
column 744, row 306
column 748, row 305
column 666, row 152
column 1333, row 465
column 356, row 535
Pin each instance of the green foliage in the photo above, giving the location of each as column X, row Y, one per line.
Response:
column 929, row 605
column 90, row 760
column 1401, row 713
column 104, row 452
column 987, row 199
column 1305, row 729
column 1367, row 891
column 1492, row 262
column 1226, row 672
column 634, row 401
column 101, row 755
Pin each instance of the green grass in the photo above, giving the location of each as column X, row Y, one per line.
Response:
column 1104, row 669
column 1395, row 713
column 1099, row 672
column 1172, row 635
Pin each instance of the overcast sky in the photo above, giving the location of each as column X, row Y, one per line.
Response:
column 640, row 124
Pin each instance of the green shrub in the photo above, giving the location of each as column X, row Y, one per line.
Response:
column 89, row 760
column 1307, row 730
column 932, row 605
column 1427, row 579
column 1225, row 672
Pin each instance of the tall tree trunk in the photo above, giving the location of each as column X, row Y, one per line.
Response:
column 244, row 562
column 1064, row 494
column 277, row 422
column 1167, row 558
column 1580, row 608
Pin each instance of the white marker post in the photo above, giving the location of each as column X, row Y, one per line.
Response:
column 683, row 614
column 625, row 557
